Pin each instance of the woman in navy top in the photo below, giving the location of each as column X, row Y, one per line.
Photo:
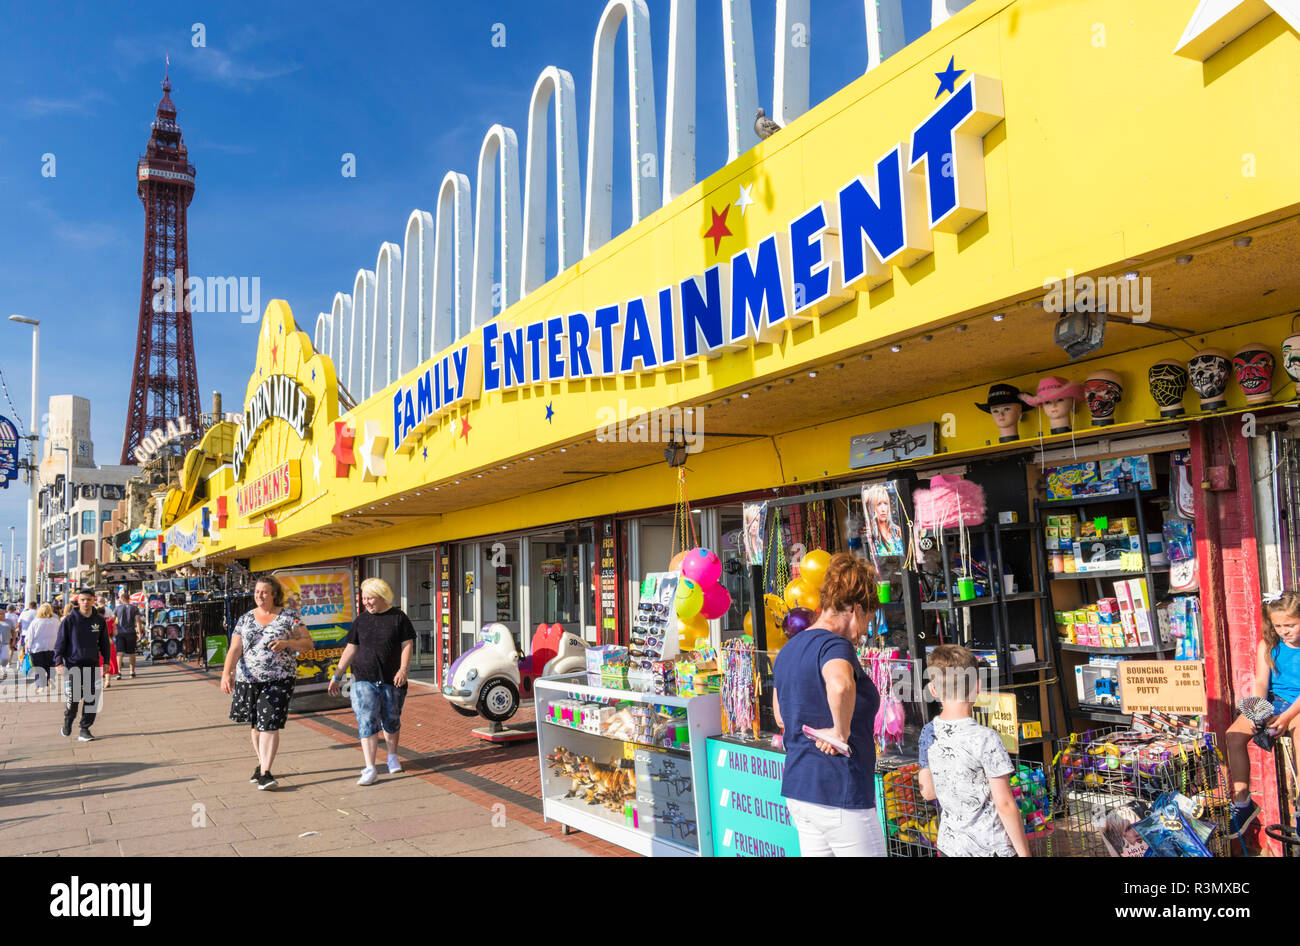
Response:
column 819, row 683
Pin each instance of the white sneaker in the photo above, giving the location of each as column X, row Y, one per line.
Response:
column 368, row 776
column 394, row 765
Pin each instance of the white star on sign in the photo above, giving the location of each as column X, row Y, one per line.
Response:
column 373, row 448
column 315, row 462
column 745, row 199
column 1216, row 23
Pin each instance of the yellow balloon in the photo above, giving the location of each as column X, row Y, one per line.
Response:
column 800, row 594
column 813, row 568
column 690, row 630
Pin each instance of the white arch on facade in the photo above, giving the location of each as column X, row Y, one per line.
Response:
column 884, row 30
column 554, row 84
column 940, row 10
column 641, row 122
column 341, row 320
column 322, row 339
column 791, row 59
column 679, row 115
column 383, row 317
column 741, row 76
column 417, row 290
column 500, row 152
column 451, row 267
column 363, row 294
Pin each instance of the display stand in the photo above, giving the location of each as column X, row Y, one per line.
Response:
column 497, row 734
column 669, row 815
column 1091, row 581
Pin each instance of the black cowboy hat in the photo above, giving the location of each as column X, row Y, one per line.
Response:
column 1001, row 394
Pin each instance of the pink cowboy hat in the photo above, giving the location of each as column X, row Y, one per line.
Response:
column 1050, row 389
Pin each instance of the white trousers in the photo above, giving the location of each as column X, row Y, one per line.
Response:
column 837, row 832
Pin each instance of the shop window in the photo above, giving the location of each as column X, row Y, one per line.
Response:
column 557, row 584
column 88, row 522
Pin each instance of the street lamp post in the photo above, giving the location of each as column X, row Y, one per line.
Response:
column 35, row 438
column 10, row 580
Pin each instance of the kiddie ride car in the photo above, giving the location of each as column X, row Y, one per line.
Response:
column 489, row 678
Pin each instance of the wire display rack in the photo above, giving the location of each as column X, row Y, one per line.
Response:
column 912, row 824
column 1107, row 780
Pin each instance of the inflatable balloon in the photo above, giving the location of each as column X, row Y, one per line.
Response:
column 690, row 598
column 717, row 601
column 688, row 632
column 676, row 563
column 702, row 566
column 799, row 594
column 813, row 568
column 799, row 619
column 773, row 611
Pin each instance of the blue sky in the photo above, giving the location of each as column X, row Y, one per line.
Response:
column 268, row 107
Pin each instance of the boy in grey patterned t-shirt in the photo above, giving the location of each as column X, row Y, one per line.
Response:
column 965, row 766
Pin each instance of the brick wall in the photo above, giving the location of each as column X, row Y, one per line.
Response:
column 1228, row 567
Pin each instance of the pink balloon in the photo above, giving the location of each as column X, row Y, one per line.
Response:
column 702, row 567
column 716, row 601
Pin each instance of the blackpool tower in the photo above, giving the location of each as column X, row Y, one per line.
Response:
column 164, row 380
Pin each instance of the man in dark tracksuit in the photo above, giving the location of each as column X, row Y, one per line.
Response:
column 81, row 642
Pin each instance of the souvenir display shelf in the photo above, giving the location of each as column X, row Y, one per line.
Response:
column 670, row 814
column 1089, row 585
column 1025, row 613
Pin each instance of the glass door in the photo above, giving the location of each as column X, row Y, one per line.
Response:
column 421, row 586
column 466, row 584
column 560, row 588
column 500, row 564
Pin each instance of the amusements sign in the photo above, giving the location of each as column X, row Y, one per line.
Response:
column 1164, row 686
column 325, row 601
column 8, row 451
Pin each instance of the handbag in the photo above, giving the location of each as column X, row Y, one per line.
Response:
column 25, row 662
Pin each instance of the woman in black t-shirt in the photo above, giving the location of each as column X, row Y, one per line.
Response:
column 378, row 650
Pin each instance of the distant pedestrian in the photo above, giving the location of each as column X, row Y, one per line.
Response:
column 111, row 669
column 378, row 649
column 80, row 646
column 7, row 633
column 129, row 624
column 263, row 658
column 38, row 640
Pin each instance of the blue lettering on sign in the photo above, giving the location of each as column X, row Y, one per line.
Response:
column 702, row 314
column 607, row 325
column 491, row 372
column 533, row 333
column 812, row 281
column 757, row 299
column 579, row 345
column 512, row 357
column 460, row 357
column 424, row 398
column 555, row 348
column 865, row 220
column 935, row 143
column 638, row 344
column 667, row 328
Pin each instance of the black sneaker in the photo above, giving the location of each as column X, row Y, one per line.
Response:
column 65, row 729
column 266, row 780
column 85, row 736
column 1242, row 816
column 256, row 776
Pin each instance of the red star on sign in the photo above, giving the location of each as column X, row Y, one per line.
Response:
column 342, row 450
column 465, row 428
column 719, row 228
column 268, row 527
column 275, row 351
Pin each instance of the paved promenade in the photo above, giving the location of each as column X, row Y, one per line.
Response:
column 168, row 775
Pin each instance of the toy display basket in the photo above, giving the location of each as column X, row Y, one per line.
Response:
column 1104, row 779
column 912, row 824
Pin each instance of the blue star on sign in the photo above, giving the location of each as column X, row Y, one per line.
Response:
column 550, row 412
column 948, row 78
column 313, row 374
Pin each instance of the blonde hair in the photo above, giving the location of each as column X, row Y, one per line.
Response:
column 954, row 671
column 1288, row 603
column 45, row 611
column 378, row 588
column 68, row 610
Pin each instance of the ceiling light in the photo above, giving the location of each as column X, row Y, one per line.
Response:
column 812, row 374
column 744, row 394
column 789, row 380
column 1131, row 274
column 531, row 459
column 726, row 400
column 840, row 366
column 503, row 468
column 1184, row 259
column 895, row 348
column 564, row 449
column 962, row 328
column 1037, row 303
column 999, row 316
column 767, row 387
column 1241, row 241
column 927, row 338
column 867, row 356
